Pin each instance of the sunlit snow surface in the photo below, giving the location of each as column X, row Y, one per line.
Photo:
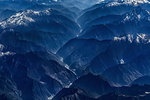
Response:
column 138, row 38
column 51, row 97
column 23, row 18
column 121, row 61
column 120, row 2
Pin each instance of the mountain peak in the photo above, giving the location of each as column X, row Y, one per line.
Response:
column 119, row 2
column 137, row 14
column 129, row 1
column 23, row 18
column 138, row 38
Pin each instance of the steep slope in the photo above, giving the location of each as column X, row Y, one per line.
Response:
column 6, row 14
column 77, row 53
column 103, row 10
column 72, row 94
column 142, row 80
column 80, row 4
column 8, row 88
column 120, row 51
column 134, row 92
column 93, row 85
column 99, row 32
column 87, row 87
column 107, row 27
column 53, row 44
column 38, row 75
column 126, row 73
column 117, row 51
column 37, row 29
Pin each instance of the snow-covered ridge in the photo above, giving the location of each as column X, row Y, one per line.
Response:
column 134, row 1
column 129, row 2
column 137, row 14
column 138, row 38
column 23, row 18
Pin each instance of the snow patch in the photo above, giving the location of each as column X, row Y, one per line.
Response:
column 128, row 2
column 137, row 15
column 113, row 4
column 51, row 97
column 119, row 38
column 138, row 38
column 4, row 53
column 42, row 82
column 99, row 1
column 122, row 61
column 55, row 0
column 68, row 85
column 61, row 59
column 66, row 66
column 147, row 92
column 135, row 1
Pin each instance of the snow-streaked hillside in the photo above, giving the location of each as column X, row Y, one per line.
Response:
column 74, row 49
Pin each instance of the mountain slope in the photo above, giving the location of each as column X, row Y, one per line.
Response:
column 37, row 29
column 37, row 75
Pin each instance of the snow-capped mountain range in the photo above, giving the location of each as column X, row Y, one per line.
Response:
column 74, row 49
column 138, row 38
column 23, row 18
column 138, row 14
